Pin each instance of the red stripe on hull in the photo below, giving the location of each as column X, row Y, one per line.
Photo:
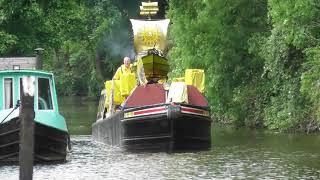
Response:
column 153, row 110
column 193, row 111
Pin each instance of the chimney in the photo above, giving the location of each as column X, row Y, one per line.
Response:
column 39, row 53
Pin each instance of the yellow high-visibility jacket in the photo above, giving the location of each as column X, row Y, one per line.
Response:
column 122, row 70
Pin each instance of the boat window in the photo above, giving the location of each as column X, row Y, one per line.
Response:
column 8, row 93
column 44, row 94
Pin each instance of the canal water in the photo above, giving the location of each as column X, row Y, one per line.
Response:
column 236, row 154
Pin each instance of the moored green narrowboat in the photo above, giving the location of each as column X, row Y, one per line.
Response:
column 51, row 132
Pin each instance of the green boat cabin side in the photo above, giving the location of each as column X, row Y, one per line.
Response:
column 45, row 105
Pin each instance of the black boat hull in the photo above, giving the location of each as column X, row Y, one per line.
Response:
column 169, row 130
column 50, row 144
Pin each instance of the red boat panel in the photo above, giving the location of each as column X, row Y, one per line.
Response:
column 195, row 97
column 146, row 95
column 155, row 94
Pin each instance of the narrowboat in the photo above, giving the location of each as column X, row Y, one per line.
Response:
column 51, row 133
column 144, row 111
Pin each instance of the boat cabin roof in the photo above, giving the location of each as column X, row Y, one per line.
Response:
column 25, row 72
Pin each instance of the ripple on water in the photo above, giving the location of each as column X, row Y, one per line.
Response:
column 89, row 160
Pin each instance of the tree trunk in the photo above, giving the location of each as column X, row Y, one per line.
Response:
column 55, row 55
column 66, row 57
column 99, row 66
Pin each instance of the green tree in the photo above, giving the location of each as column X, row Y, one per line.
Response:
column 79, row 38
column 214, row 35
column 261, row 58
column 288, row 52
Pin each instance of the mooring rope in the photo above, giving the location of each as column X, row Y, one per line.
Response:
column 16, row 107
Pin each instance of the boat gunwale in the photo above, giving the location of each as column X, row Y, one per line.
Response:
column 129, row 109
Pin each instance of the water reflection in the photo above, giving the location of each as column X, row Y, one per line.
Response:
column 90, row 160
column 79, row 113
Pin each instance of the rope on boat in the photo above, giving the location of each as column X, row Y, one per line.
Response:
column 16, row 107
column 69, row 147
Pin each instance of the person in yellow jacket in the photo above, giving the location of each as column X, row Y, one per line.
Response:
column 126, row 67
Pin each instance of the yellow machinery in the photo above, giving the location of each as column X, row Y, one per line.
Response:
column 121, row 88
column 195, row 77
column 113, row 85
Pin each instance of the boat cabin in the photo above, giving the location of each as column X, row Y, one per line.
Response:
column 10, row 93
column 45, row 100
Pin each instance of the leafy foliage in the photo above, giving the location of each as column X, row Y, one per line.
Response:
column 214, row 35
column 261, row 58
column 79, row 38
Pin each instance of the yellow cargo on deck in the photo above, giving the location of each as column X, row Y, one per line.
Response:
column 117, row 98
column 127, row 83
column 196, row 78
